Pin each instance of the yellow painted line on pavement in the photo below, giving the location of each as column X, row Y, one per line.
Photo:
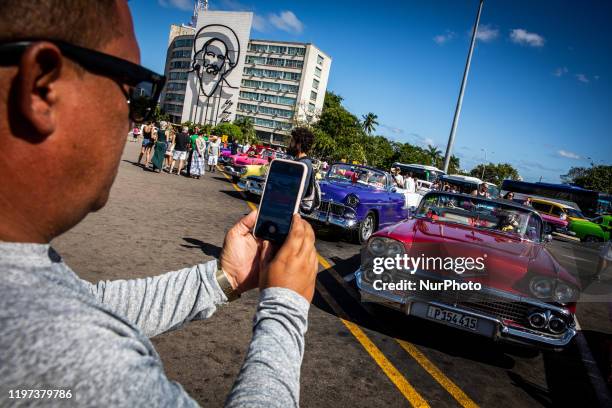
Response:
column 420, row 358
column 435, row 372
column 407, row 390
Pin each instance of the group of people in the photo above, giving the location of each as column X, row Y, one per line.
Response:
column 163, row 148
column 406, row 182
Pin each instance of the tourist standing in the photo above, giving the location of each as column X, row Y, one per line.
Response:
column 180, row 150
column 409, row 183
column 169, row 149
column 398, row 179
column 196, row 168
column 214, row 147
column 160, row 147
column 147, row 143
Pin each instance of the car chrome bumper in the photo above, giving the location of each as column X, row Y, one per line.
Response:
column 232, row 171
column 328, row 218
column 250, row 186
column 503, row 332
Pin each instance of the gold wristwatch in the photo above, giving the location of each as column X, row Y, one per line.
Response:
column 226, row 286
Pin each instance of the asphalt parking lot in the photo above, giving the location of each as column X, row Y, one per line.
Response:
column 356, row 355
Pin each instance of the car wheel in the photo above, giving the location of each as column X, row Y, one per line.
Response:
column 365, row 229
column 235, row 179
column 547, row 228
column 591, row 238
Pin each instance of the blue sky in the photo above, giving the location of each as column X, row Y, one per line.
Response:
column 539, row 95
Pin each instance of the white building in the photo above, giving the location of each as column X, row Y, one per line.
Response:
column 216, row 74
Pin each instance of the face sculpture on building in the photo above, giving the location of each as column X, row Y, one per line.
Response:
column 215, row 54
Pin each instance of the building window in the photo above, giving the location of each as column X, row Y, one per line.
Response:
column 184, row 42
column 319, row 60
column 269, row 73
column 317, row 72
column 315, row 83
column 275, row 62
column 176, row 86
column 181, row 76
column 174, row 97
column 313, row 96
column 296, row 50
column 280, row 100
column 277, row 49
column 266, row 110
column 311, row 107
column 181, row 54
column 180, row 64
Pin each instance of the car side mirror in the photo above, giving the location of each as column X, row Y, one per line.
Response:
column 393, row 190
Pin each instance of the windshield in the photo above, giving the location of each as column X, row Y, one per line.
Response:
column 358, row 175
column 481, row 213
column 574, row 213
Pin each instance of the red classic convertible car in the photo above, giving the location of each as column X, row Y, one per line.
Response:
column 494, row 275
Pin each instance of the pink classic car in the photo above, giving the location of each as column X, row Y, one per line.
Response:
column 237, row 162
column 515, row 290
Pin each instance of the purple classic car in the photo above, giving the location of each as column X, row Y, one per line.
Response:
column 359, row 199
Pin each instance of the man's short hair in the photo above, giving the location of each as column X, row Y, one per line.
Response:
column 87, row 23
column 302, row 138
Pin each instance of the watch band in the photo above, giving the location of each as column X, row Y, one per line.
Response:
column 226, row 286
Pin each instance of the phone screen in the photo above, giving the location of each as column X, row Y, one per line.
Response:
column 281, row 194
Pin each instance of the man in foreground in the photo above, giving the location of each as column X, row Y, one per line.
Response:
column 58, row 332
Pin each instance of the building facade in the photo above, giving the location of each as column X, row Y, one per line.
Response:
column 283, row 84
column 216, row 74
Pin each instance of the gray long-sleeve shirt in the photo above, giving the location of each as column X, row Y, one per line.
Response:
column 58, row 331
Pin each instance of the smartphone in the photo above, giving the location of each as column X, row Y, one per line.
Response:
column 281, row 199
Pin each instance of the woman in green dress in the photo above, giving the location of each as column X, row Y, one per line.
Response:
column 160, row 147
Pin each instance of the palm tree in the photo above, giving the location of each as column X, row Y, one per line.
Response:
column 434, row 153
column 369, row 122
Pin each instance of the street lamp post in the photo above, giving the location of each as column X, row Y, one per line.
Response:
column 451, row 137
column 484, row 163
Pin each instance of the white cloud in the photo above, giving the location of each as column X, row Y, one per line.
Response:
column 582, row 78
column 392, row 129
column 441, row 39
column 559, row 72
column 179, row 4
column 259, row 23
column 524, row 37
column 596, row 77
column 486, row 33
column 568, row 155
column 286, row 21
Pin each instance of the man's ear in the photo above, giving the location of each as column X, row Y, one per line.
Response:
column 39, row 70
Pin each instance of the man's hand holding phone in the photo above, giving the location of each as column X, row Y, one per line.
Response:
column 294, row 266
column 248, row 261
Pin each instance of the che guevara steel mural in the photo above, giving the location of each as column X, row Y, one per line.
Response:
column 216, row 52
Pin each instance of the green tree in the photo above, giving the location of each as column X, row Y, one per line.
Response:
column 598, row 178
column 159, row 115
column 434, row 154
column 249, row 135
column 369, row 122
column 324, row 145
column 495, row 173
column 225, row 128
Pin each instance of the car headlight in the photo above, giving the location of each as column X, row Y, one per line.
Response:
column 395, row 248
column 541, row 287
column 352, row 200
column 564, row 293
column 377, row 246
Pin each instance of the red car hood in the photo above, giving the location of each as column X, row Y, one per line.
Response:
column 509, row 262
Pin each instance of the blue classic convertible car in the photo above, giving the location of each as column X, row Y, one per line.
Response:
column 359, row 199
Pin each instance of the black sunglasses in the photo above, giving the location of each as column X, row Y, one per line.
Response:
column 145, row 85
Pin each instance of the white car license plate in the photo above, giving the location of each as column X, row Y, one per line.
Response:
column 452, row 318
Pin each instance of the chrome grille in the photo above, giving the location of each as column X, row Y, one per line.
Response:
column 331, row 207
